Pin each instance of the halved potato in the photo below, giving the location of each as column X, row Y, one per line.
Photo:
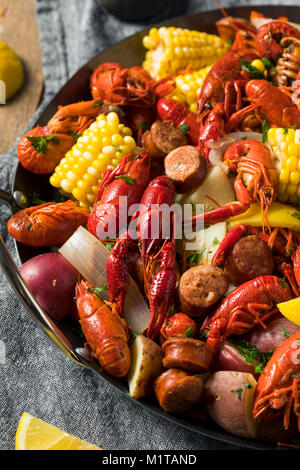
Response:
column 146, row 366
column 229, row 401
column 206, row 242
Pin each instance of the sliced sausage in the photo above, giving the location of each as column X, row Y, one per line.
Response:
column 177, row 391
column 200, row 288
column 162, row 138
column 187, row 353
column 250, row 257
column 186, row 167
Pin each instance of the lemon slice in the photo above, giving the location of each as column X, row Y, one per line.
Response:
column 291, row 310
column 36, row 434
column 11, row 69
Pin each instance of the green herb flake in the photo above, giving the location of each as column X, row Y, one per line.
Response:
column 283, row 282
column 96, row 104
column 75, row 135
column 239, row 392
column 229, row 41
column 176, row 165
column 189, row 332
column 132, row 336
column 215, row 242
column 144, row 126
column 264, row 129
column 285, row 333
column 40, row 143
column 28, row 227
column 296, row 215
column 127, row 179
column 267, row 63
column 109, row 245
column 251, row 354
column 253, row 71
column 184, row 128
column 285, row 131
column 196, row 257
column 244, row 138
column 247, row 385
column 97, row 291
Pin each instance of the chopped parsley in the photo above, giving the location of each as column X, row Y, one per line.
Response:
column 28, row 227
column 127, row 179
column 35, row 199
column 75, row 135
column 285, row 333
column 264, row 129
column 251, row 354
column 144, row 125
column 109, row 245
column 215, row 242
column 282, row 282
column 244, row 138
column 247, row 385
column 239, row 392
column 189, row 332
column 132, row 336
column 184, row 128
column 253, row 71
column 176, row 165
column 196, row 257
column 96, row 104
column 267, row 63
column 98, row 290
column 40, row 143
column 295, row 215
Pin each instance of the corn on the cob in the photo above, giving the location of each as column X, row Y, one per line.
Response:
column 188, row 87
column 172, row 49
column 285, row 144
column 101, row 146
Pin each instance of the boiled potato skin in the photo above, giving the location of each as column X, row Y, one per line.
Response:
column 227, row 407
column 146, row 366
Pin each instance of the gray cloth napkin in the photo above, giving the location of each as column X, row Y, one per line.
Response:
column 37, row 377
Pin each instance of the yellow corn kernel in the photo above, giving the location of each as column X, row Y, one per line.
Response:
column 292, row 163
column 102, row 145
column 258, row 64
column 284, row 176
column 172, row 49
column 295, row 177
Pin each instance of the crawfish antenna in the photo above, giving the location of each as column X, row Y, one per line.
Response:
column 221, row 9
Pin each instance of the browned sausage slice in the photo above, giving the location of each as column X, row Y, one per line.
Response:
column 187, row 353
column 250, row 257
column 200, row 288
column 177, row 391
column 186, row 167
column 162, row 138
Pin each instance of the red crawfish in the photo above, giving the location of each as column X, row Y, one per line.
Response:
column 249, row 304
column 158, row 255
column 278, row 387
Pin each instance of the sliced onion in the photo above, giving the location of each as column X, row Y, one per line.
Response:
column 216, row 154
column 88, row 255
column 258, row 22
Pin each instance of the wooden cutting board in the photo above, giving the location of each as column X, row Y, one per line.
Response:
column 18, row 29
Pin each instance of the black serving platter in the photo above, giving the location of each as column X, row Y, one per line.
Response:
column 128, row 52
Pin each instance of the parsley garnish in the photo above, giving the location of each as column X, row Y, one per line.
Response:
column 285, row 333
column 251, row 354
column 215, row 242
column 75, row 135
column 189, row 332
column 295, row 215
column 176, row 165
column 282, row 282
column 267, row 63
column 98, row 290
column 132, row 336
column 40, row 143
column 196, row 257
column 247, row 385
column 254, row 72
column 28, row 227
column 239, row 392
column 109, row 245
column 127, row 179
column 184, row 128
column 35, row 199
column 264, row 129
column 144, row 125
column 96, row 104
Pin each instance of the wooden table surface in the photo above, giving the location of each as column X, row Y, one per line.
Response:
column 18, row 29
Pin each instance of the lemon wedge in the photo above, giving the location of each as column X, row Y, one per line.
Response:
column 291, row 310
column 11, row 70
column 36, row 434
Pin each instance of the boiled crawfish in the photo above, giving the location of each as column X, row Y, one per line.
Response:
column 41, row 149
column 249, row 304
column 115, row 84
column 278, row 387
column 105, row 332
column 48, row 224
column 129, row 180
column 158, row 256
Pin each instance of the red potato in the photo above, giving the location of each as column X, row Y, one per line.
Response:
column 276, row 333
column 228, row 398
column 51, row 279
column 229, row 358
